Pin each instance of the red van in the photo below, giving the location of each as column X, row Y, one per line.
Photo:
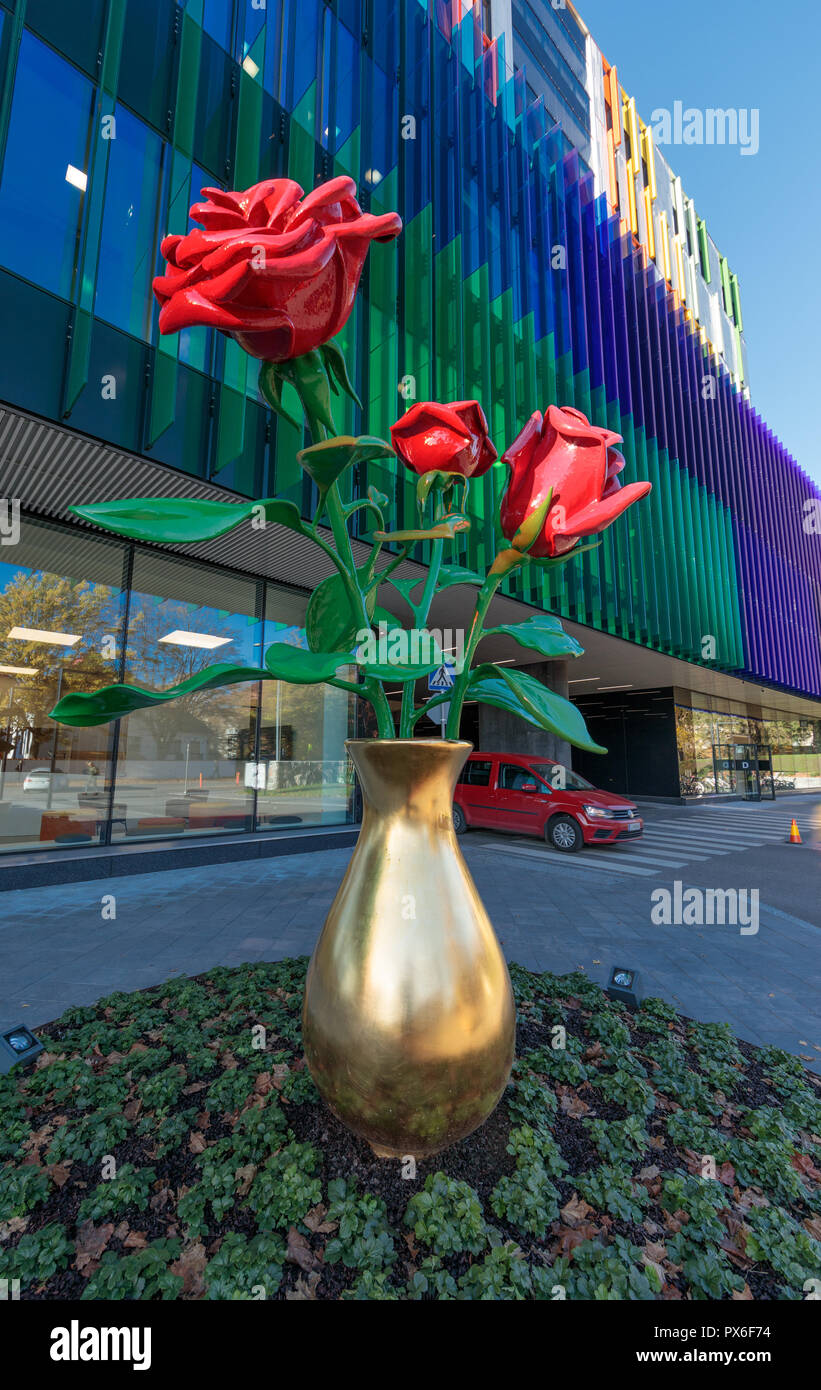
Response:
column 533, row 796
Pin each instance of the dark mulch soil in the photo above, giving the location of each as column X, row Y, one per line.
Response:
column 713, row 1188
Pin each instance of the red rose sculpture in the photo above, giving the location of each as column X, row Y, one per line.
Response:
column 450, row 438
column 276, row 271
column 563, row 451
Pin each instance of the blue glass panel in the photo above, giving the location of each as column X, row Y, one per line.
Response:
column 128, row 248
column 217, row 17
column 40, row 210
column 196, row 343
column 57, row 24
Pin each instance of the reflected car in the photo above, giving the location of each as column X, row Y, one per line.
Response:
column 39, row 779
column 534, row 796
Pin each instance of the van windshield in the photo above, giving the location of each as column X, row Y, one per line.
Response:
column 561, row 778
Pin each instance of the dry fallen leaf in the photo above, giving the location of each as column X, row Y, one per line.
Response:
column 315, row 1221
column 196, row 1142
column 12, row 1226
column 246, row 1176
column 573, row 1106
column 569, row 1237
column 575, row 1211
column 299, row 1251
column 304, row 1288
column 59, row 1173
column 136, row 1240
column 90, row 1243
column 191, row 1267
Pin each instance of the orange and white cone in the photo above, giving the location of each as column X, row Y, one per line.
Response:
column 795, row 834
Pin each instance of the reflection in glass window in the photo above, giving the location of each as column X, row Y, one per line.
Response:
column 303, row 776
column 45, row 168
column 182, row 765
column 61, row 615
column 128, row 247
column 196, row 343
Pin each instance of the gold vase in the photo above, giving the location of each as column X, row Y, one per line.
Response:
column 409, row 1020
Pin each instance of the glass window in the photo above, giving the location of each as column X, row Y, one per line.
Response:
column 183, row 766
column 217, row 18
column 58, row 25
column 476, row 774
column 128, row 243
column 147, row 76
column 303, row 775
column 513, row 777
column 45, row 165
column 61, row 616
column 558, row 776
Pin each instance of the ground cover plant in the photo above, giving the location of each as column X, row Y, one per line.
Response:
column 171, row 1144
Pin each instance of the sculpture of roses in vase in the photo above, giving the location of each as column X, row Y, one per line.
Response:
column 408, row 1022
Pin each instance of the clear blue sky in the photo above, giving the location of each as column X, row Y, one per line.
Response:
column 762, row 211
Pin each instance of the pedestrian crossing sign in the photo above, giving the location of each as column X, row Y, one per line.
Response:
column 442, row 678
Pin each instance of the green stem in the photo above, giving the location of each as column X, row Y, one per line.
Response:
column 483, row 602
column 421, row 611
column 394, row 564
column 371, row 689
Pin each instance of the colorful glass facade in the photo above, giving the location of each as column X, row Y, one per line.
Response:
column 513, row 282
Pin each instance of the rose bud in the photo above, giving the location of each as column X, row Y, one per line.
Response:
column 563, row 451
column 451, row 438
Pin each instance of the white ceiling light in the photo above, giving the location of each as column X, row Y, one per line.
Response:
column 250, row 66
column 180, row 638
column 614, row 687
column 77, row 178
column 36, row 634
column 584, row 680
column 19, row 670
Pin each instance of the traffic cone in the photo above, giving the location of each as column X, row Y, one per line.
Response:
column 795, row 833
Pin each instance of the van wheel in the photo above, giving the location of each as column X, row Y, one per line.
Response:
column 460, row 825
column 565, row 834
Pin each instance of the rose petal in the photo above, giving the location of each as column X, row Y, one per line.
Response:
column 598, row 515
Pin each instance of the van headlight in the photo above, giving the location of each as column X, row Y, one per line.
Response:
column 596, row 813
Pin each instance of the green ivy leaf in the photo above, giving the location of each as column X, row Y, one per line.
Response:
column 542, row 633
column 524, row 695
column 181, row 519
column 114, row 701
column 328, row 621
column 294, row 664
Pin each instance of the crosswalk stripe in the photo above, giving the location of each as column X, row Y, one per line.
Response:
column 731, row 830
column 761, row 837
column 584, row 859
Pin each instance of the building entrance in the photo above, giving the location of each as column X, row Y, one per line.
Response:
column 745, row 770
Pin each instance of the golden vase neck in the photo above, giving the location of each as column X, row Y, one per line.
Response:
column 414, row 778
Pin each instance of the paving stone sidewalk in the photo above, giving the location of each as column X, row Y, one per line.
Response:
column 57, row 948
